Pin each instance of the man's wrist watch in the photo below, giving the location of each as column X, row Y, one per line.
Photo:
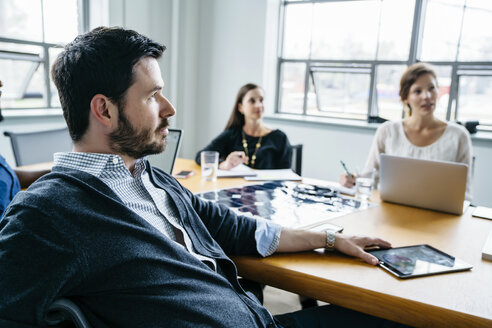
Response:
column 330, row 240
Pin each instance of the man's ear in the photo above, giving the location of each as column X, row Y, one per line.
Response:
column 103, row 110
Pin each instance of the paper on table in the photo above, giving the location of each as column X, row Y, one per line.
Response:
column 339, row 187
column 281, row 174
column 238, row 171
column 483, row 212
column 487, row 248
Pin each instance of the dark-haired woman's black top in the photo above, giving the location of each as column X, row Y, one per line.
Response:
column 275, row 151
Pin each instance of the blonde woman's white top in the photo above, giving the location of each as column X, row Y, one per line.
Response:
column 454, row 146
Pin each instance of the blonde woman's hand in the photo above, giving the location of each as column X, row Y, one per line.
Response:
column 346, row 180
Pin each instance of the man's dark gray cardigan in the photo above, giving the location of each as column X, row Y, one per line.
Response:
column 69, row 235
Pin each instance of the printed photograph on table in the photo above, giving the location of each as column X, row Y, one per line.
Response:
column 289, row 204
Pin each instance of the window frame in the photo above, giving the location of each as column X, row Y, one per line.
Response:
column 344, row 69
column 413, row 57
column 83, row 25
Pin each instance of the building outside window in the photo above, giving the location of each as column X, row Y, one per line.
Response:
column 344, row 59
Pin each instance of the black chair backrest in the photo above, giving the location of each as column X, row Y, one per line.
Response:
column 297, row 159
column 39, row 146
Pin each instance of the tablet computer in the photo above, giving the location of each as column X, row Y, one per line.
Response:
column 417, row 261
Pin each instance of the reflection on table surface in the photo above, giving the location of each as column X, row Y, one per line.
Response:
column 289, row 204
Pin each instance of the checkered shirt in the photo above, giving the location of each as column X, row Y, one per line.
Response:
column 136, row 191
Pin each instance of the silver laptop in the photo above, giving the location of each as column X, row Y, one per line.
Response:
column 165, row 160
column 435, row 185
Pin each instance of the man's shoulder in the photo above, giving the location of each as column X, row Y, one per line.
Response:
column 47, row 186
column 59, row 196
column 38, row 202
column 63, row 175
column 57, row 184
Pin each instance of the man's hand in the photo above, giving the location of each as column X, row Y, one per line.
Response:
column 355, row 245
column 294, row 240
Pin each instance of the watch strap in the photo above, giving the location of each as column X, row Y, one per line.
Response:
column 330, row 240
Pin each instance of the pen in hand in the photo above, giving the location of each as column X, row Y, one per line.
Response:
column 346, row 170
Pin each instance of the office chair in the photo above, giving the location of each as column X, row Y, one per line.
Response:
column 65, row 313
column 297, row 159
column 38, row 146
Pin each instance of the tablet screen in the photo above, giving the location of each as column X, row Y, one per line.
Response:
column 418, row 260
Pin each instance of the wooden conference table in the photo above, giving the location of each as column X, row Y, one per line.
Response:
column 461, row 299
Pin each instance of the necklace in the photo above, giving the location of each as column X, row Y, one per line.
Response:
column 245, row 146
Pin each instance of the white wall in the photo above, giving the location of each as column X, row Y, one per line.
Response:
column 230, row 55
column 152, row 18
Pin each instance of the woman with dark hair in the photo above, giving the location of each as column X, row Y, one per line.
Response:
column 421, row 134
column 246, row 139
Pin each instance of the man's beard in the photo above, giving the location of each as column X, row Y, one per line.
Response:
column 128, row 141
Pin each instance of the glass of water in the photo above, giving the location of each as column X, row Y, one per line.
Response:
column 210, row 164
column 364, row 185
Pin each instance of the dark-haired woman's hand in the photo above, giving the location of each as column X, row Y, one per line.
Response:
column 233, row 159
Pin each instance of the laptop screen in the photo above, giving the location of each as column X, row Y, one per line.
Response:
column 165, row 160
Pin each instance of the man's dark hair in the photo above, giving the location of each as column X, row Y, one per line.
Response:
column 98, row 62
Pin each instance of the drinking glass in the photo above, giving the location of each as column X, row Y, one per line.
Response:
column 364, row 185
column 210, row 164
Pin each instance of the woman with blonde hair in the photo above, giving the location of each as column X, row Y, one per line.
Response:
column 420, row 135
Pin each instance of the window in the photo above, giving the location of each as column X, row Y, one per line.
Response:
column 344, row 59
column 32, row 34
column 341, row 91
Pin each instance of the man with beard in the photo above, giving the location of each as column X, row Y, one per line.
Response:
column 124, row 240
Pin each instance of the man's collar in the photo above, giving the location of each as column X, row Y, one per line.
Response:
column 96, row 163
